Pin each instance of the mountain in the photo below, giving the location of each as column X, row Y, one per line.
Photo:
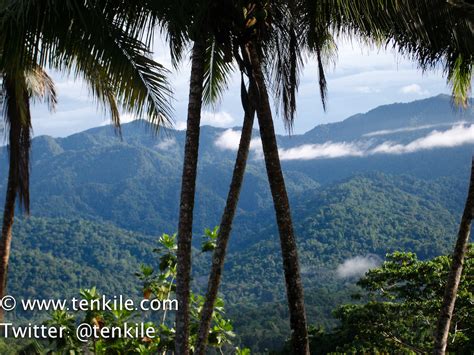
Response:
column 393, row 178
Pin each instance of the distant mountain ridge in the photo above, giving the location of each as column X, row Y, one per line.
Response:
column 347, row 200
column 431, row 111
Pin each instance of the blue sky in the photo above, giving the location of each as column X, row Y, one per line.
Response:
column 361, row 79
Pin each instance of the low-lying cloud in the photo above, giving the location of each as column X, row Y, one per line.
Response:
column 458, row 135
column 166, row 144
column 410, row 129
column 217, row 119
column 321, row 151
column 357, row 266
column 230, row 139
column 413, row 89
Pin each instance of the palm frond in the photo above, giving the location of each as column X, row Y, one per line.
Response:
column 460, row 79
column 284, row 61
column 217, row 73
column 433, row 33
column 323, row 45
column 77, row 38
column 16, row 110
column 41, row 87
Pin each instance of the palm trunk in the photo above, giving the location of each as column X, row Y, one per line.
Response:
column 225, row 230
column 18, row 119
column 447, row 308
column 5, row 243
column 188, row 186
column 294, row 286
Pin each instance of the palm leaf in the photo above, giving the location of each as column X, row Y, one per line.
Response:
column 76, row 38
column 434, row 33
column 41, row 87
column 217, row 73
column 16, row 110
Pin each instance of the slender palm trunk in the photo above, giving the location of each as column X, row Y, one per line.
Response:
column 447, row 308
column 5, row 243
column 188, row 186
column 18, row 118
column 225, row 230
column 294, row 286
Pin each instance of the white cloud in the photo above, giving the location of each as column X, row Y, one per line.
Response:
column 357, row 266
column 457, row 135
column 217, row 119
column 256, row 145
column 321, row 151
column 409, row 129
column 230, row 139
column 413, row 89
column 124, row 118
column 166, row 144
column 180, row 125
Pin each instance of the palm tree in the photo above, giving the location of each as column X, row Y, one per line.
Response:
column 78, row 38
column 449, row 299
column 17, row 94
column 210, row 67
column 188, row 186
column 293, row 282
column 227, row 218
column 284, row 73
column 416, row 39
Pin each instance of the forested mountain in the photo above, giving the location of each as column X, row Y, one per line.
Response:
column 392, row 179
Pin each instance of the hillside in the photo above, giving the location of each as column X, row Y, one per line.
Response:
column 99, row 203
column 363, row 216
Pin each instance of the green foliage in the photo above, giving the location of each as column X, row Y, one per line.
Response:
column 210, row 239
column 160, row 285
column 98, row 200
column 372, row 214
column 402, row 302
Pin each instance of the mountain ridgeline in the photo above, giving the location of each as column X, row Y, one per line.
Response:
column 392, row 179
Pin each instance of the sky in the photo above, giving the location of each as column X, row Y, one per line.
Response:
column 361, row 79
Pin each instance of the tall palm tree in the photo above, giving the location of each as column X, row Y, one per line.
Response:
column 209, row 74
column 283, row 74
column 293, row 282
column 452, row 285
column 188, row 186
column 210, row 67
column 83, row 39
column 227, row 218
column 17, row 92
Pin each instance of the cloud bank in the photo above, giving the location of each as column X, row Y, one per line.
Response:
column 321, row 151
column 413, row 89
column 217, row 119
column 166, row 144
column 457, row 135
column 410, row 129
column 230, row 139
column 357, row 266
